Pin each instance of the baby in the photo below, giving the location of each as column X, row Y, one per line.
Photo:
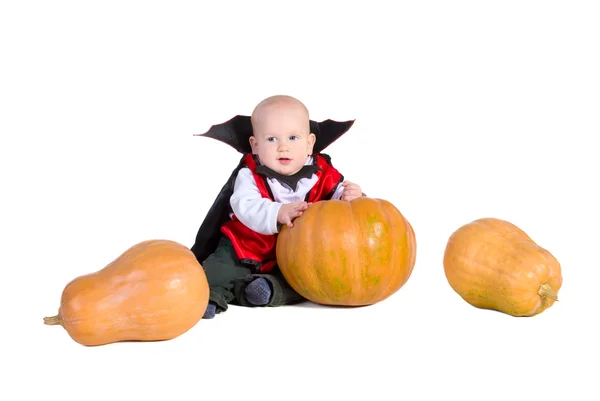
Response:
column 278, row 182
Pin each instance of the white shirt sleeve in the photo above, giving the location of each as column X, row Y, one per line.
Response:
column 254, row 211
column 338, row 192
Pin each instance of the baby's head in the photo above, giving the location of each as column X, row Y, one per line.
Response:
column 281, row 134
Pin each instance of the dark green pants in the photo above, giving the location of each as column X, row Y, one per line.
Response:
column 227, row 279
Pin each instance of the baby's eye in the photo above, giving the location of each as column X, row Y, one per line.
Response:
column 293, row 138
column 271, row 139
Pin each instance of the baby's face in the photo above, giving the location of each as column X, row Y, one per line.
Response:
column 282, row 138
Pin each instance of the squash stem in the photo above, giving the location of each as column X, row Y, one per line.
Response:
column 53, row 320
column 547, row 291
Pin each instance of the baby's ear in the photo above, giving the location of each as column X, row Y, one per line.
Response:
column 311, row 143
column 253, row 144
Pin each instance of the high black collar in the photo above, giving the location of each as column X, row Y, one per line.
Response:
column 306, row 171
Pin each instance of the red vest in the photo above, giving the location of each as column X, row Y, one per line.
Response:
column 259, row 249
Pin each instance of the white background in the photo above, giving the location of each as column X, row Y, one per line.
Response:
column 463, row 109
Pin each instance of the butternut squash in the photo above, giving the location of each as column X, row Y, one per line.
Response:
column 493, row 264
column 156, row 290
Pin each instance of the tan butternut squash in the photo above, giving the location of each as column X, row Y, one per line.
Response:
column 493, row 264
column 155, row 290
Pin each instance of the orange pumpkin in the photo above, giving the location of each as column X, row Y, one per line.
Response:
column 493, row 264
column 155, row 290
column 347, row 253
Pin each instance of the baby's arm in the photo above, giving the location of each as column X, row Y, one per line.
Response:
column 347, row 191
column 256, row 212
column 338, row 192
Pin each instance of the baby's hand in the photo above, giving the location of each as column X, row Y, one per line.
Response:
column 290, row 211
column 351, row 191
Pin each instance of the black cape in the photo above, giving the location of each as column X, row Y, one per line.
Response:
column 236, row 133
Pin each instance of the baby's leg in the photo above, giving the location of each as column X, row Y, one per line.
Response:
column 222, row 269
column 269, row 289
column 283, row 293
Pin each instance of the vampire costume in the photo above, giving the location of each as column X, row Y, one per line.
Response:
column 221, row 235
column 236, row 133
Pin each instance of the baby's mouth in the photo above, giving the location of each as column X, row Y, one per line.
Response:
column 284, row 160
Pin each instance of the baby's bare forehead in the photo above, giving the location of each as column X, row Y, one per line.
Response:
column 280, row 102
column 280, row 109
column 279, row 133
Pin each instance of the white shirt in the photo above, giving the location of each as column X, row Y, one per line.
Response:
column 260, row 214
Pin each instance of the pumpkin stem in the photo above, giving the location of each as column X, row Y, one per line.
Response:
column 54, row 320
column 547, row 291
